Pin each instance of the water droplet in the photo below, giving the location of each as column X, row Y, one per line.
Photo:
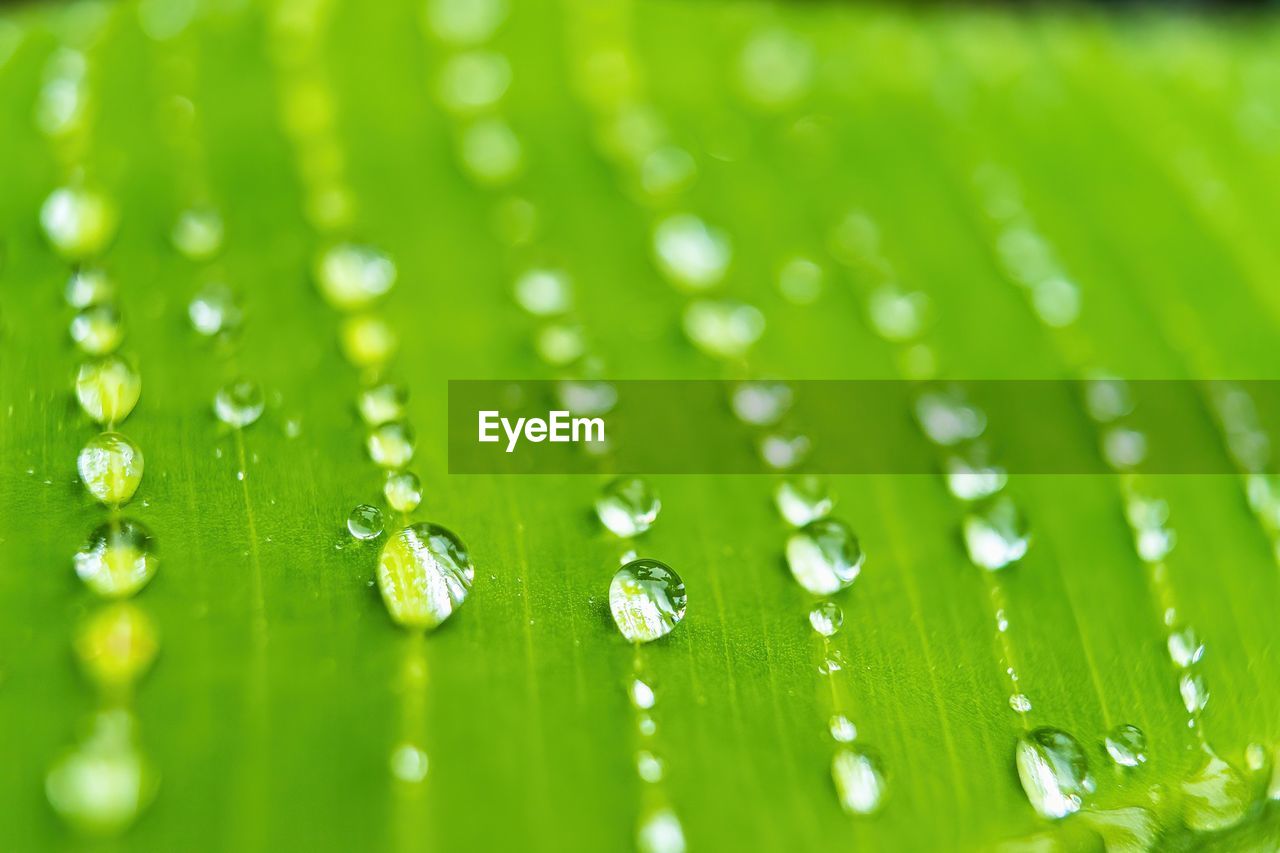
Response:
column 108, row 389
column 118, row 560
column 667, row 170
column 826, row 618
column 103, row 784
column 88, row 287
column 560, row 344
column 78, row 222
column 646, row 726
column 403, row 491
column 1107, row 398
column 800, row 281
column 1217, row 795
column 98, row 329
column 367, row 340
column 1124, row 448
column 240, row 403
column 642, row 695
column 647, row 600
column 970, row 477
column 365, row 522
column 586, row 398
column 110, row 467
column 648, row 766
column 1020, row 703
column 544, row 292
column 1195, row 694
column 689, row 252
column 859, row 781
column 214, row 311
column 1255, row 757
column 842, row 729
column 783, row 451
column 897, row 316
column 801, row 500
column 776, row 67
column 465, row 22
column 352, row 276
column 424, row 574
column 761, row 403
column 116, row 645
column 198, row 233
column 1185, row 647
column 660, row 832
column 628, row 506
column 834, row 662
column 409, row 763
column 1056, row 301
column 1127, row 745
column 824, row 556
column 472, row 81
column 947, row 418
column 491, row 152
column 996, row 534
column 391, row 445
column 383, row 403
column 1054, row 771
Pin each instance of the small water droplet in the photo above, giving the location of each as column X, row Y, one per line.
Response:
column 801, row 280
column 365, row 522
column 801, row 500
column 491, row 151
column 409, row 763
column 1020, row 703
column 783, row 451
column 628, row 506
column 776, row 67
column 1056, row 301
column 108, row 389
column 116, row 645
column 292, row 428
column 824, row 556
column 214, row 311
column 897, row 316
column 391, row 445
column 403, row 491
column 383, row 403
column 1127, row 745
column 1054, row 771
column 118, row 559
column 587, row 398
column 544, row 292
column 465, row 22
column 689, row 252
column 1185, row 647
column 240, row 403
column 1195, row 694
column 859, row 781
column 648, row 766
column 970, row 477
column 472, row 81
column 79, row 222
column 1255, row 757
column 98, row 329
column 660, row 832
column 834, row 662
column 842, row 729
column 667, row 170
column 103, row 783
column 198, row 233
column 352, row 276
column 647, row 600
column 110, row 467
column 996, row 534
column 1107, row 398
column 646, row 726
column 642, row 695
column 723, row 328
column 89, row 286
column 947, row 418
column 761, row 403
column 826, row 618
column 424, row 575
column 560, row 344
column 367, row 340
column 1124, row 448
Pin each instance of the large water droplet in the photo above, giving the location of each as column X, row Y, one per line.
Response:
column 78, row 222
column 240, row 403
column 1127, row 745
column 98, row 329
column 110, row 467
column 107, row 390
column 801, row 500
column 118, row 560
column 403, row 491
column 1217, row 795
column 859, row 781
column 826, row 618
column 689, row 252
column 628, row 506
column 1054, row 771
column 996, row 534
column 391, row 445
column 103, row 784
column 198, row 233
column 116, row 645
column 544, row 292
column 761, row 403
column 352, row 276
column 214, row 310
column 824, row 556
column 365, row 522
column 660, row 832
column 424, row 574
column 647, row 599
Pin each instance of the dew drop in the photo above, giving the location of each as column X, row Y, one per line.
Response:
column 465, row 22
column 1020, row 703
column 826, row 618
column 761, row 403
column 842, row 729
column 116, row 645
column 834, row 662
column 198, row 233
column 409, row 763
column 824, row 556
column 560, row 344
column 240, row 403
column 1195, row 694
column 859, row 781
column 996, row 534
column 383, row 403
column 801, row 500
column 1185, row 647
column 1217, row 795
column 78, row 222
column 403, row 491
column 491, row 152
column 588, row 398
column 776, row 67
column 365, row 522
column 352, row 276
column 107, row 390
column 103, row 784
column 897, row 316
column 1056, row 301
column 1124, row 448
column 660, row 832
column 783, row 451
column 647, row 600
column 947, row 418
column 367, row 340
column 970, row 477
column 88, row 287
column 544, row 292
column 800, row 281
column 1127, row 745
column 424, row 575
column 667, row 170
column 628, row 506
column 642, row 695
column 1107, row 398
column 118, row 560
column 648, row 767
column 1054, row 771
column 214, row 310
column 98, row 329
column 689, row 252
column 473, row 81
column 391, row 445
column 110, row 467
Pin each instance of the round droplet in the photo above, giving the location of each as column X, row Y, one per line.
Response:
column 1107, row 398
column 896, row 316
column 1185, row 647
column 660, row 832
column 667, row 170
column 116, row 645
column 801, row 500
column 588, row 398
column 800, row 280
column 198, row 233
column 970, row 477
column 1195, row 693
column 383, row 403
column 78, row 222
column 424, row 574
column 465, row 22
column 761, row 403
column 824, row 556
column 689, row 252
column 491, row 152
column 560, row 344
column 473, row 81
column 723, row 328
column 544, row 292
column 409, row 763
column 628, row 506
column 403, row 491
column 776, row 67
column 1020, row 703
column 859, row 781
column 240, row 403
column 647, row 600
column 842, row 729
column 118, row 560
column 365, row 522
column 826, row 618
column 88, row 287
column 107, row 390
column 110, row 467
column 783, row 451
column 98, row 329
column 996, row 534
column 214, row 311
column 1054, row 771
column 103, row 784
column 352, row 276
column 391, row 444
column 367, row 340
column 648, row 767
column 947, row 418
column 642, row 695
column 1127, row 745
